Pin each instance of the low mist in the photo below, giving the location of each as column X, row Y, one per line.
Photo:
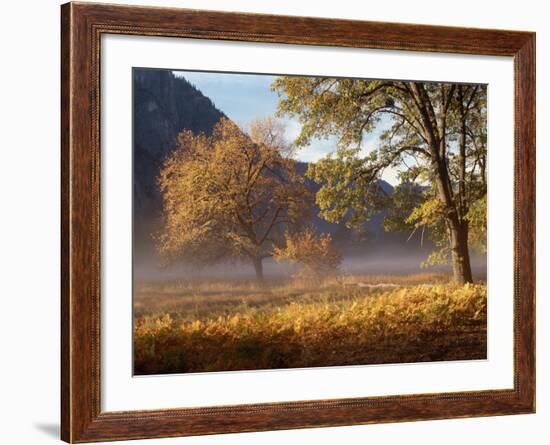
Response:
column 378, row 261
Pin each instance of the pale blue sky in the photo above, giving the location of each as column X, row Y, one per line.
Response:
column 244, row 97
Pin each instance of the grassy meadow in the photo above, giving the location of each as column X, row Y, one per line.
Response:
column 227, row 325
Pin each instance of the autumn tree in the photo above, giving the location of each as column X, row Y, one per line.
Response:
column 315, row 255
column 433, row 133
column 229, row 195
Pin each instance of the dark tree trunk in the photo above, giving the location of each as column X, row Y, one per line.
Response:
column 460, row 256
column 259, row 268
column 458, row 229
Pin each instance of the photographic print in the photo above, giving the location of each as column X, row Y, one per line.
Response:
column 302, row 221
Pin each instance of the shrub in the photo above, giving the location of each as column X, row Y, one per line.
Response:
column 316, row 255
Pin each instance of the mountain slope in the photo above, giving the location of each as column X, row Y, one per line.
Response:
column 163, row 106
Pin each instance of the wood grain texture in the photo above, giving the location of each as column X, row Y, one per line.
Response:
column 82, row 27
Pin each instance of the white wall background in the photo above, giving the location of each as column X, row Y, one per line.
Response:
column 29, row 223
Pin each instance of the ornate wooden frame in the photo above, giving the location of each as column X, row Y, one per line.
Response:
column 82, row 25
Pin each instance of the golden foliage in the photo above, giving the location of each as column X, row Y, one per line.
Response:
column 477, row 224
column 420, row 323
column 227, row 195
column 316, row 255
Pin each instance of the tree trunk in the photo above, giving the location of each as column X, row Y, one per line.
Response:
column 259, row 268
column 460, row 256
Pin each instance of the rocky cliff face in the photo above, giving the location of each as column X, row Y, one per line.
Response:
column 163, row 106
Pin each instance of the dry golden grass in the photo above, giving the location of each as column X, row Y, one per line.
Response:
column 197, row 299
column 359, row 321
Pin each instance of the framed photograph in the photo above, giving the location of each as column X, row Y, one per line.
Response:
column 274, row 222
